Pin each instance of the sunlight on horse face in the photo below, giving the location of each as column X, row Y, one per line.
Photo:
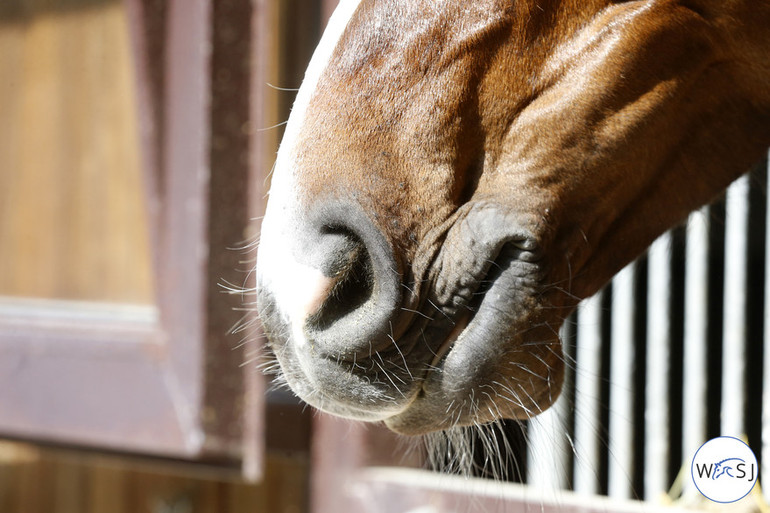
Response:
column 455, row 176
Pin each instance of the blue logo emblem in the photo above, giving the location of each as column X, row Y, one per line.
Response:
column 724, row 469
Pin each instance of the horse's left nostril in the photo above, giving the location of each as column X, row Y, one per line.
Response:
column 349, row 287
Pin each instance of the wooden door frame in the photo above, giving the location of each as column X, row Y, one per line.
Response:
column 172, row 385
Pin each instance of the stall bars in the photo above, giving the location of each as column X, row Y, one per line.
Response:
column 673, row 352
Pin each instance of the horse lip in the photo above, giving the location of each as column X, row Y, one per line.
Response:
column 506, row 251
column 351, row 411
column 448, row 343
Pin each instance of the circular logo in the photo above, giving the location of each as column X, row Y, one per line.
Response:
column 724, row 469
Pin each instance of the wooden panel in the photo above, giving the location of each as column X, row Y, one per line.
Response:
column 72, row 212
column 44, row 481
column 76, row 376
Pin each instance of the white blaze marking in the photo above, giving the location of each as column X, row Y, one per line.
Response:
column 318, row 63
column 296, row 288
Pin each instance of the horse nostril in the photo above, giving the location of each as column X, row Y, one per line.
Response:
column 352, row 280
column 353, row 294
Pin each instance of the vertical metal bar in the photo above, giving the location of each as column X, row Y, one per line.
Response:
column 695, row 337
column 622, row 385
column 587, row 395
column 548, row 449
column 735, row 285
column 656, row 415
column 549, row 445
column 765, row 463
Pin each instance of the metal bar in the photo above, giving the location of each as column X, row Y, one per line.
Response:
column 765, row 463
column 587, row 395
column 549, row 446
column 656, row 414
column 734, row 327
column 547, row 449
column 695, row 338
column 622, row 391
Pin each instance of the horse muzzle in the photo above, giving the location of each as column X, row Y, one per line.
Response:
column 329, row 297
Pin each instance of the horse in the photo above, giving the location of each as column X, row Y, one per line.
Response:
column 455, row 176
